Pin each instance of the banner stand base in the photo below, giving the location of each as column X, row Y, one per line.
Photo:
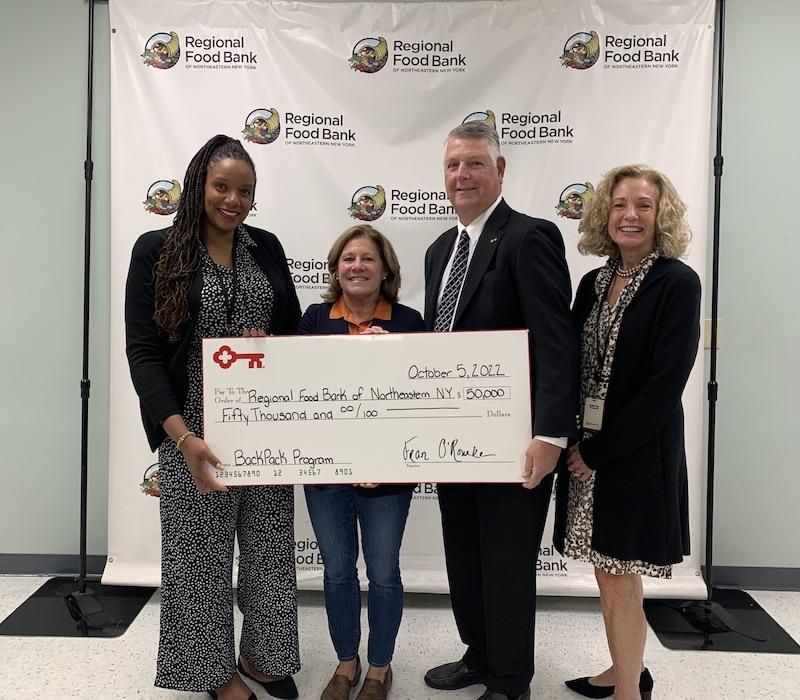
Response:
column 59, row 609
column 730, row 621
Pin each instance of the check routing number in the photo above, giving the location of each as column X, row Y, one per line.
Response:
column 393, row 408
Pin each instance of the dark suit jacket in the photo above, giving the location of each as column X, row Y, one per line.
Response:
column 317, row 321
column 518, row 278
column 158, row 368
column 641, row 493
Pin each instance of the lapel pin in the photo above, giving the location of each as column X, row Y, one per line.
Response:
column 494, row 240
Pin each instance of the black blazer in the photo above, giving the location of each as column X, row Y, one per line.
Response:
column 158, row 368
column 316, row 321
column 518, row 278
column 641, row 491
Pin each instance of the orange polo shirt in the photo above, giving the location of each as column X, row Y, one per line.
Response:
column 383, row 312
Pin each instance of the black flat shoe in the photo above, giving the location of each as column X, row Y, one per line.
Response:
column 453, row 676
column 283, row 688
column 583, row 687
column 213, row 694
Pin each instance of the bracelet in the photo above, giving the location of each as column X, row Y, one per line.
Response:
column 180, row 440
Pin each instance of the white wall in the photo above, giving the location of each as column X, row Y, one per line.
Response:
column 758, row 467
column 43, row 82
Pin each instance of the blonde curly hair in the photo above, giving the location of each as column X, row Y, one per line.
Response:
column 672, row 230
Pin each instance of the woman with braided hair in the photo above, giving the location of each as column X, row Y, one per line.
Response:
column 209, row 275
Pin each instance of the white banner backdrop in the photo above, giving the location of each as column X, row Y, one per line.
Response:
column 344, row 108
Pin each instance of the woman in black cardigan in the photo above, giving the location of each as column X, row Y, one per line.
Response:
column 622, row 506
column 209, row 275
column 361, row 299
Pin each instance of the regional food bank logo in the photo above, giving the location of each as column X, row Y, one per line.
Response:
column 573, row 200
column 527, row 128
column 312, row 129
column 369, row 55
column 309, row 273
column 551, row 563
column 368, row 203
column 151, row 484
column 265, row 124
column 486, row 117
column 163, row 197
column 425, row 492
column 420, row 205
column 632, row 51
column 643, row 52
column 262, row 126
column 581, row 51
column 162, row 50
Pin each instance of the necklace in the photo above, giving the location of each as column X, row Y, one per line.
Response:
column 627, row 273
column 228, row 297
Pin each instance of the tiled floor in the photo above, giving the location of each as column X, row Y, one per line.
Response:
column 569, row 636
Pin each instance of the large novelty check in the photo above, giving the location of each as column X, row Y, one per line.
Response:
column 377, row 408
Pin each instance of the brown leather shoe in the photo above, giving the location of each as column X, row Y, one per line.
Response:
column 340, row 686
column 374, row 689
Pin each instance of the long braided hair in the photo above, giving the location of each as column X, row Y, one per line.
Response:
column 180, row 255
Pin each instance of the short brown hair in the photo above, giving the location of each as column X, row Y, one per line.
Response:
column 672, row 231
column 389, row 286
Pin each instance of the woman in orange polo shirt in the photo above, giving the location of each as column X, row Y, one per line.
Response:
column 361, row 298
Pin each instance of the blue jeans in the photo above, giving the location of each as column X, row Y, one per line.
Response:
column 334, row 511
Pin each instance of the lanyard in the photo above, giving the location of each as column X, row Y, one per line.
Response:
column 228, row 300
column 599, row 341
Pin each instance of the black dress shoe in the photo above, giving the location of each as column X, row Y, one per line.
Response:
column 583, row 687
column 213, row 694
column 492, row 695
column 453, row 676
column 283, row 688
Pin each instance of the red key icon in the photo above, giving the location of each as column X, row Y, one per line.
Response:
column 226, row 356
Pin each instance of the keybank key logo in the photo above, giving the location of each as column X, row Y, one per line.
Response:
column 163, row 197
column 369, row 55
column 368, row 203
column 262, row 125
column 162, row 50
column 573, row 200
column 581, row 51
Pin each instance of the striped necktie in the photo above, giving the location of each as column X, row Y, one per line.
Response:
column 452, row 290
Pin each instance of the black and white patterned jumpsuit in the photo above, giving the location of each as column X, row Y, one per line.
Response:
column 196, row 646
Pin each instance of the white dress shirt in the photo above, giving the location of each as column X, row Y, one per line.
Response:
column 474, row 230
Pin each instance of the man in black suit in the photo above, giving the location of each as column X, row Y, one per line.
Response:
column 499, row 269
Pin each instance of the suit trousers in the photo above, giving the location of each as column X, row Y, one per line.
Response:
column 492, row 534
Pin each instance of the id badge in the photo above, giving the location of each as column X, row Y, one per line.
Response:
column 593, row 413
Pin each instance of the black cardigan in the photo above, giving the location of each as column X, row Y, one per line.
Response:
column 641, row 490
column 158, row 368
